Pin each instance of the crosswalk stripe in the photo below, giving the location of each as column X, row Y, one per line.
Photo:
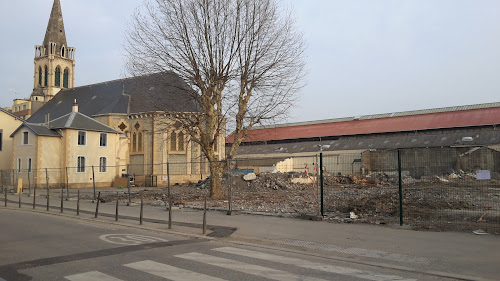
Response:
column 92, row 275
column 246, row 268
column 170, row 272
column 311, row 265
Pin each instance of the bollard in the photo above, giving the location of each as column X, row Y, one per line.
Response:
column 34, row 197
column 116, row 213
column 78, row 203
column 29, row 184
column 205, row 217
column 229, row 199
column 140, row 215
column 128, row 185
column 97, row 205
column 47, row 177
column 93, row 180
column 19, row 199
column 5, row 192
column 62, row 200
column 67, row 185
column 169, row 198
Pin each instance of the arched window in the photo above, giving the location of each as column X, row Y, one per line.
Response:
column 46, row 76
column 63, row 51
column 180, row 142
column 58, row 77
column 40, row 76
column 139, row 142
column 66, row 78
column 173, row 141
column 134, row 142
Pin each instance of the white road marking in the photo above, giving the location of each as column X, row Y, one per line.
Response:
column 92, row 275
column 356, row 251
column 246, row 268
column 311, row 265
column 129, row 239
column 170, row 272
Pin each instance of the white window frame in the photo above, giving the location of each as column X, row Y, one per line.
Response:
column 78, row 167
column 105, row 139
column 105, row 165
column 84, row 138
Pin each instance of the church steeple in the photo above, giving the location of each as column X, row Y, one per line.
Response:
column 54, row 60
column 55, row 29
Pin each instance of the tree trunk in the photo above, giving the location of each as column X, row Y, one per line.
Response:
column 216, row 171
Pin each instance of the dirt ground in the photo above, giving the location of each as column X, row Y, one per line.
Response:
column 455, row 202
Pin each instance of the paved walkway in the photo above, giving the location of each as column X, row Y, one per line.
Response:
column 464, row 255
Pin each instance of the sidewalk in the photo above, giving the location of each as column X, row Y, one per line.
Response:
column 477, row 257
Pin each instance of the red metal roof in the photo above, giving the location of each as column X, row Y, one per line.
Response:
column 453, row 119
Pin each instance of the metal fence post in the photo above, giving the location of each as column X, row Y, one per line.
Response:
column 321, row 182
column 62, row 199
column 47, row 180
column 128, row 185
column 229, row 195
column 169, row 198
column 116, row 212
column 19, row 199
column 205, row 216
column 34, row 197
column 78, row 203
column 29, row 183
column 13, row 180
column 400, row 189
column 67, row 185
column 97, row 205
column 93, row 180
column 142, row 209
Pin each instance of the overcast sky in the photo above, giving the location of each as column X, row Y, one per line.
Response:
column 363, row 57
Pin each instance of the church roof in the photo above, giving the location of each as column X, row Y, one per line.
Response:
column 78, row 121
column 55, row 28
column 165, row 92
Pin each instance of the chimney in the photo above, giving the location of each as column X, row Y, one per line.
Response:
column 47, row 119
column 75, row 106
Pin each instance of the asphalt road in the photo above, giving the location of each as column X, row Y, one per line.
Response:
column 48, row 248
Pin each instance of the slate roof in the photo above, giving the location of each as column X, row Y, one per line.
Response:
column 38, row 129
column 156, row 92
column 73, row 120
column 78, row 121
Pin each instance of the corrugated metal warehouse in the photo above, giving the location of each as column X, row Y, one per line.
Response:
column 460, row 128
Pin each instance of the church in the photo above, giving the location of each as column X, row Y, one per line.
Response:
column 97, row 133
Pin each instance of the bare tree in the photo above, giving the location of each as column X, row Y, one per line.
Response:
column 244, row 60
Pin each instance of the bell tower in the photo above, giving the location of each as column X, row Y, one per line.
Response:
column 54, row 60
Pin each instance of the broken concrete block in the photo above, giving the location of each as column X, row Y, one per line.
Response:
column 250, row 177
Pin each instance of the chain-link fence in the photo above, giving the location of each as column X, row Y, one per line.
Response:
column 454, row 188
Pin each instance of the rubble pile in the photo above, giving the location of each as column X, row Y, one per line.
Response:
column 370, row 199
